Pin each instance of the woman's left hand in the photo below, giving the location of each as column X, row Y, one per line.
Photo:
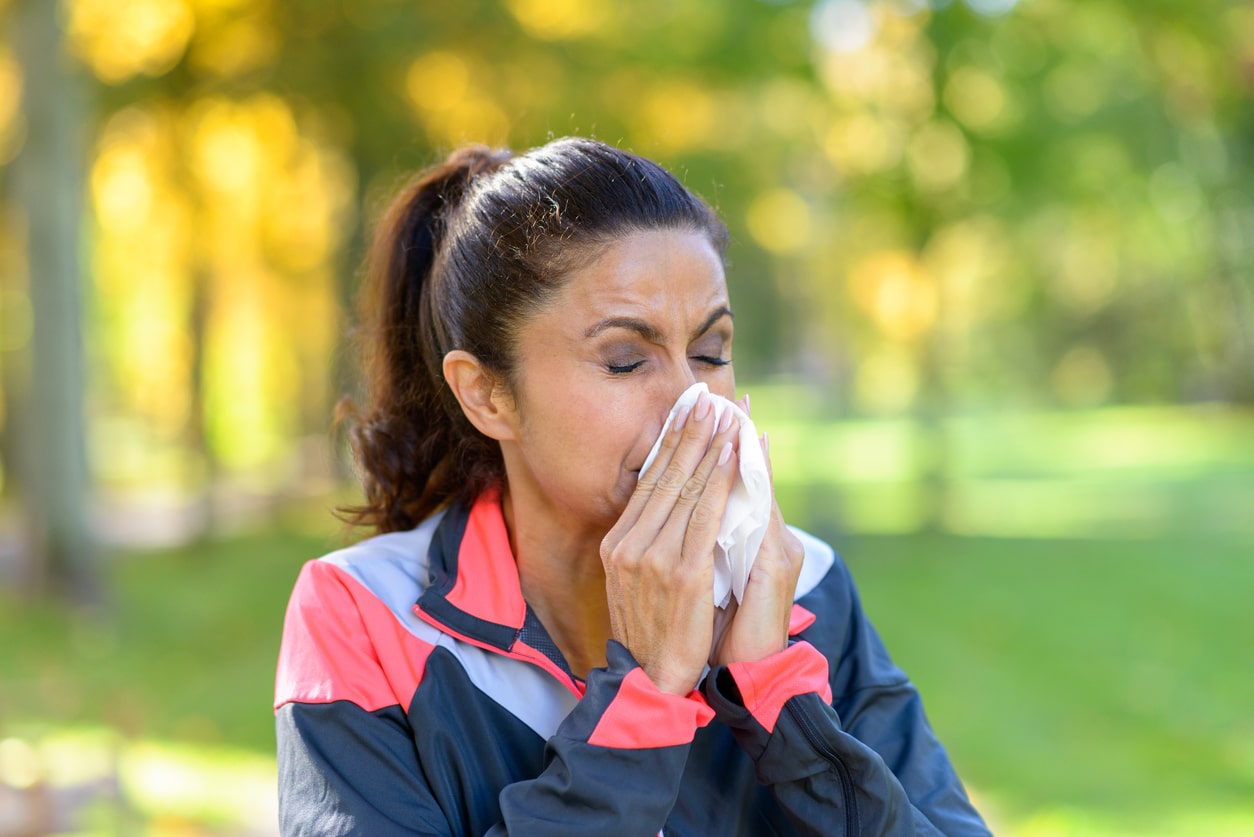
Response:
column 758, row 626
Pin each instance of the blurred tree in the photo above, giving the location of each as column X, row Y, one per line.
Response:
column 51, row 473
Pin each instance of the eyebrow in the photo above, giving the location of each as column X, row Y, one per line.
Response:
column 648, row 332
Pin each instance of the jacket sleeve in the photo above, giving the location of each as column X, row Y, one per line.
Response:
column 346, row 760
column 865, row 763
column 616, row 762
column 346, row 753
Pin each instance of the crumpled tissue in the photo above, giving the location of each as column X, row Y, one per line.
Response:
column 748, row 510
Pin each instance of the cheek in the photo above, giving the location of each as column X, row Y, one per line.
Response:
column 585, row 427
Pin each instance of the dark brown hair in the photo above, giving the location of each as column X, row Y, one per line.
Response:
column 463, row 255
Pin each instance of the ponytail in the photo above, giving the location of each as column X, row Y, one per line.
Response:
column 415, row 447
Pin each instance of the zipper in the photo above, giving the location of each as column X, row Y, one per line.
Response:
column 825, row 750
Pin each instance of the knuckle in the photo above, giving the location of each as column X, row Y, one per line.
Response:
column 704, row 516
column 656, row 556
column 621, row 554
column 608, row 544
column 671, row 480
column 693, row 488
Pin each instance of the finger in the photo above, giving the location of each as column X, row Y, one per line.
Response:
column 697, row 487
column 698, row 511
column 706, row 516
column 648, row 479
column 655, row 496
column 670, row 441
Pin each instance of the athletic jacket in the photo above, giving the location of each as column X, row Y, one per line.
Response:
column 418, row 694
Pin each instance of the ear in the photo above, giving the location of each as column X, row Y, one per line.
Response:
column 483, row 397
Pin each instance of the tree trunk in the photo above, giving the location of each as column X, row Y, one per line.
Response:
column 52, row 476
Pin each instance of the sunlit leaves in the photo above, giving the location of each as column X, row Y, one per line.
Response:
column 780, row 220
column 557, row 20
column 453, row 101
column 119, row 39
column 678, row 115
column 213, row 218
column 12, row 121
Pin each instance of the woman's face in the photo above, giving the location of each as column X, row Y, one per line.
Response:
column 600, row 366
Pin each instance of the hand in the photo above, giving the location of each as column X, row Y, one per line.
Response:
column 758, row 626
column 659, row 557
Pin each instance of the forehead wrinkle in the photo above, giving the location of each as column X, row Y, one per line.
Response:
column 651, row 333
column 624, row 288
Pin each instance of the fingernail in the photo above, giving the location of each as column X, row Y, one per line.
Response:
column 766, row 443
column 702, row 407
column 681, row 418
column 725, row 454
column 746, row 400
column 725, row 421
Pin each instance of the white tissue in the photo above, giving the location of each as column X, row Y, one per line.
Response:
column 748, row 508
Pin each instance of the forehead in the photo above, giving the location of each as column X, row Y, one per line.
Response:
column 659, row 274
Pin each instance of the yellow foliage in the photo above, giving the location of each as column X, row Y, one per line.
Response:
column 225, row 202
column 10, row 87
column 898, row 293
column 971, row 261
column 455, row 110
column 121, row 186
column 788, row 107
column 779, row 220
column 237, row 46
column 119, row 39
column 677, row 115
column 141, row 263
column 560, row 20
column 438, row 81
column 891, row 73
column 12, row 120
column 865, row 143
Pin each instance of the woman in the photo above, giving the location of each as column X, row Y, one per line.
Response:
column 527, row 645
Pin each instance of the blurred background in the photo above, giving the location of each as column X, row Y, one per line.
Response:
column 993, row 269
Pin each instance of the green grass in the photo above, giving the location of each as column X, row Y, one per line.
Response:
column 1081, row 686
column 1110, row 678
column 186, row 652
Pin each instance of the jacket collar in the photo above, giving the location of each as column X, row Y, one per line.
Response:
column 474, row 589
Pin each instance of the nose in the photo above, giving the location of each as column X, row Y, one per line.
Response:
column 677, row 383
column 667, row 390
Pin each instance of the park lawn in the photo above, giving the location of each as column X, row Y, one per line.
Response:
column 186, row 651
column 1082, row 687
column 1086, row 687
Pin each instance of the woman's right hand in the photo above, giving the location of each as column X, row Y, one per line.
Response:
column 659, row 557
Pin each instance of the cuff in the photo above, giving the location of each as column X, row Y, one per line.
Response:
column 761, row 688
column 640, row 716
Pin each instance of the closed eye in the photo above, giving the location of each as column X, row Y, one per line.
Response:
column 624, row 369
column 712, row 361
